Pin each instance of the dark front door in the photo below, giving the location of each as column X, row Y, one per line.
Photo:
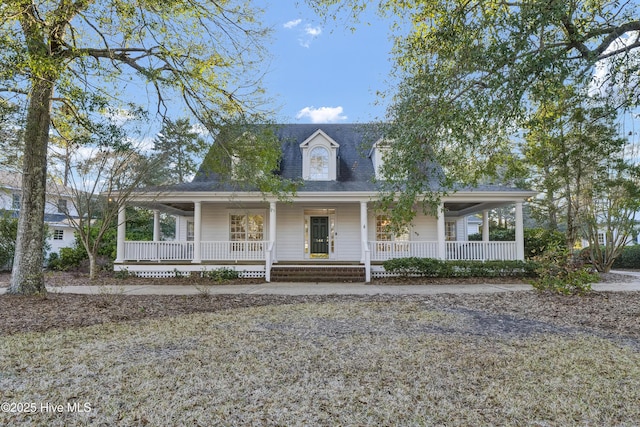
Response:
column 320, row 236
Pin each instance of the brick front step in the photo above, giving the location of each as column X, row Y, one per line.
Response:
column 317, row 274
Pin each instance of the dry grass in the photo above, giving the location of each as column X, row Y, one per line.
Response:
column 332, row 363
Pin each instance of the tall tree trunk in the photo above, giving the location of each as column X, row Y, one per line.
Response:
column 27, row 276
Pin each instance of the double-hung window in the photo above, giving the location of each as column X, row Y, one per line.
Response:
column 387, row 241
column 246, row 232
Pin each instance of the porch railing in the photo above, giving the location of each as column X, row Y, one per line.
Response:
column 457, row 250
column 481, row 251
column 257, row 250
column 183, row 251
column 384, row 250
column 158, row 251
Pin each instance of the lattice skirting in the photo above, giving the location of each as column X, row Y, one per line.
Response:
column 167, row 271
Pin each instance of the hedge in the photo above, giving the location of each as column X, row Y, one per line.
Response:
column 429, row 267
column 629, row 258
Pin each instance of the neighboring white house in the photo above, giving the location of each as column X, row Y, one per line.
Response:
column 329, row 224
column 58, row 201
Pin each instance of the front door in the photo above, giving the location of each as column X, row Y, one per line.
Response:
column 319, row 237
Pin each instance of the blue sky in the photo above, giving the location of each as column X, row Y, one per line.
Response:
column 325, row 73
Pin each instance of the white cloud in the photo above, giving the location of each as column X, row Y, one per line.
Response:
column 119, row 116
column 306, row 34
column 602, row 82
column 312, row 31
column 292, row 24
column 322, row 114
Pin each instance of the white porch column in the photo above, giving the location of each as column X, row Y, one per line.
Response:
column 485, row 226
column 197, row 231
column 519, row 232
column 122, row 233
column 363, row 230
column 272, row 229
column 442, row 244
column 156, row 225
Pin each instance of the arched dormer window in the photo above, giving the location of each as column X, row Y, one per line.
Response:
column 319, row 164
column 319, row 157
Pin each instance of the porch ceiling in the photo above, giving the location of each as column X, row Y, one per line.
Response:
column 469, row 208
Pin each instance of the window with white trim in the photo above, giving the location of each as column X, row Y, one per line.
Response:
column 246, row 227
column 319, row 164
column 15, row 203
column 384, row 234
column 450, row 231
column 58, row 234
column 62, row 206
column 190, row 231
column 319, row 157
column 601, row 239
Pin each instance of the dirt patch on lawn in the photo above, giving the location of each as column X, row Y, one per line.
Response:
column 613, row 315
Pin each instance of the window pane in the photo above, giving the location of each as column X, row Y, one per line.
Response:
column 450, row 230
column 382, row 228
column 62, row 206
column 190, row 231
column 319, row 164
column 237, row 225
column 255, row 227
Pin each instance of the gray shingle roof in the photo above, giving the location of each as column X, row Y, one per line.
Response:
column 355, row 171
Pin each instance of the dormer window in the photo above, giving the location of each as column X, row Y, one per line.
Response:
column 378, row 154
column 319, row 157
column 319, row 164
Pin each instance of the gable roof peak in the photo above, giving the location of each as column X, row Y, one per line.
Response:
column 319, row 132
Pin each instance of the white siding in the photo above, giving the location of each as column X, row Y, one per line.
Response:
column 68, row 238
column 215, row 223
column 290, row 232
column 424, row 228
column 347, row 243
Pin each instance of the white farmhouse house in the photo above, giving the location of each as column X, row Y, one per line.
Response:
column 329, row 228
column 58, row 204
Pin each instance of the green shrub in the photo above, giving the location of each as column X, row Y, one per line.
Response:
column 429, row 267
column 8, row 234
column 560, row 272
column 124, row 274
column 221, row 274
column 68, row 259
column 629, row 258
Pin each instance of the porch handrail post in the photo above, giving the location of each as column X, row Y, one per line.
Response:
column 442, row 244
column 272, row 230
column 267, row 262
column 363, row 231
column 122, row 233
column 519, row 232
column 367, row 264
column 197, row 233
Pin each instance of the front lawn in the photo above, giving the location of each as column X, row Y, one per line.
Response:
column 360, row 361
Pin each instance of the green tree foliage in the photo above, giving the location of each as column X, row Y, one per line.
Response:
column 182, row 147
column 11, row 142
column 8, row 233
column 471, row 73
column 568, row 144
column 68, row 53
column 247, row 155
column 579, row 163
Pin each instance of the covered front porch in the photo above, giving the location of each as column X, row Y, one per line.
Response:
column 253, row 235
